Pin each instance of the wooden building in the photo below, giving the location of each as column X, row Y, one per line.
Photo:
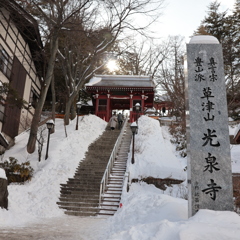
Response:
column 20, row 66
column 120, row 92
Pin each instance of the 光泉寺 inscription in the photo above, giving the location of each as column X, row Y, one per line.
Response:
column 209, row 164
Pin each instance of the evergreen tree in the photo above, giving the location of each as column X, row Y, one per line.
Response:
column 215, row 23
column 226, row 29
column 234, row 94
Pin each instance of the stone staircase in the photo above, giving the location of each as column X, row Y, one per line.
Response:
column 112, row 196
column 80, row 195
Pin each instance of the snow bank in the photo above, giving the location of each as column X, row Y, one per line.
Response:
column 154, row 155
column 235, row 149
column 37, row 198
column 235, row 158
column 147, row 214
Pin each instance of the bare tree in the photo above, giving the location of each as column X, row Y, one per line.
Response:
column 53, row 15
column 56, row 16
column 171, row 76
column 40, row 141
column 142, row 58
column 83, row 52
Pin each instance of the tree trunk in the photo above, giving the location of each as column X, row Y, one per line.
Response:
column 53, row 102
column 53, row 98
column 73, row 110
column 67, row 112
column 68, row 108
column 37, row 114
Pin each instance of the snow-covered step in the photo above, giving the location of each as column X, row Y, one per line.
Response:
column 106, row 213
column 116, row 177
column 116, row 186
column 120, row 169
column 109, row 207
column 117, row 173
column 110, row 203
column 111, row 199
column 120, row 183
column 120, row 165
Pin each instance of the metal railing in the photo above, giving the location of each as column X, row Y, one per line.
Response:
column 111, row 160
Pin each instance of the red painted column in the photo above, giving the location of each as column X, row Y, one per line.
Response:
column 142, row 105
column 96, row 109
column 131, row 107
column 108, row 108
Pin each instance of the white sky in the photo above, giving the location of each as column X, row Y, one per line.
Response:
column 182, row 17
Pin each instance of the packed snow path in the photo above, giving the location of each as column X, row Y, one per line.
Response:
column 63, row 228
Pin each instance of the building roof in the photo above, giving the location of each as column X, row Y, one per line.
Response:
column 121, row 81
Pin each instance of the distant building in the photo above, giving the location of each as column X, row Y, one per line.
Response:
column 162, row 104
column 20, row 66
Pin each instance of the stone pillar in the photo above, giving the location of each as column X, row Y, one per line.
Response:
column 209, row 163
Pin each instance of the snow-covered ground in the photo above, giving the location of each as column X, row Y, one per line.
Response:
column 235, row 149
column 37, row 198
column 147, row 213
column 155, row 156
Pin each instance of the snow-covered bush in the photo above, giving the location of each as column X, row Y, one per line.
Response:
column 179, row 138
column 17, row 172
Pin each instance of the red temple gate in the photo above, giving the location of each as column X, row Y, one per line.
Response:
column 117, row 92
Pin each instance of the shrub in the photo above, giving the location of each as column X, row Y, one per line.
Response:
column 179, row 138
column 16, row 172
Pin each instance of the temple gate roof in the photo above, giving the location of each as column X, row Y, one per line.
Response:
column 122, row 81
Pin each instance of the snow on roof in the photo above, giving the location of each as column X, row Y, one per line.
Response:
column 150, row 110
column 93, row 81
column 50, row 121
column 134, row 124
column 203, row 39
column 121, row 81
